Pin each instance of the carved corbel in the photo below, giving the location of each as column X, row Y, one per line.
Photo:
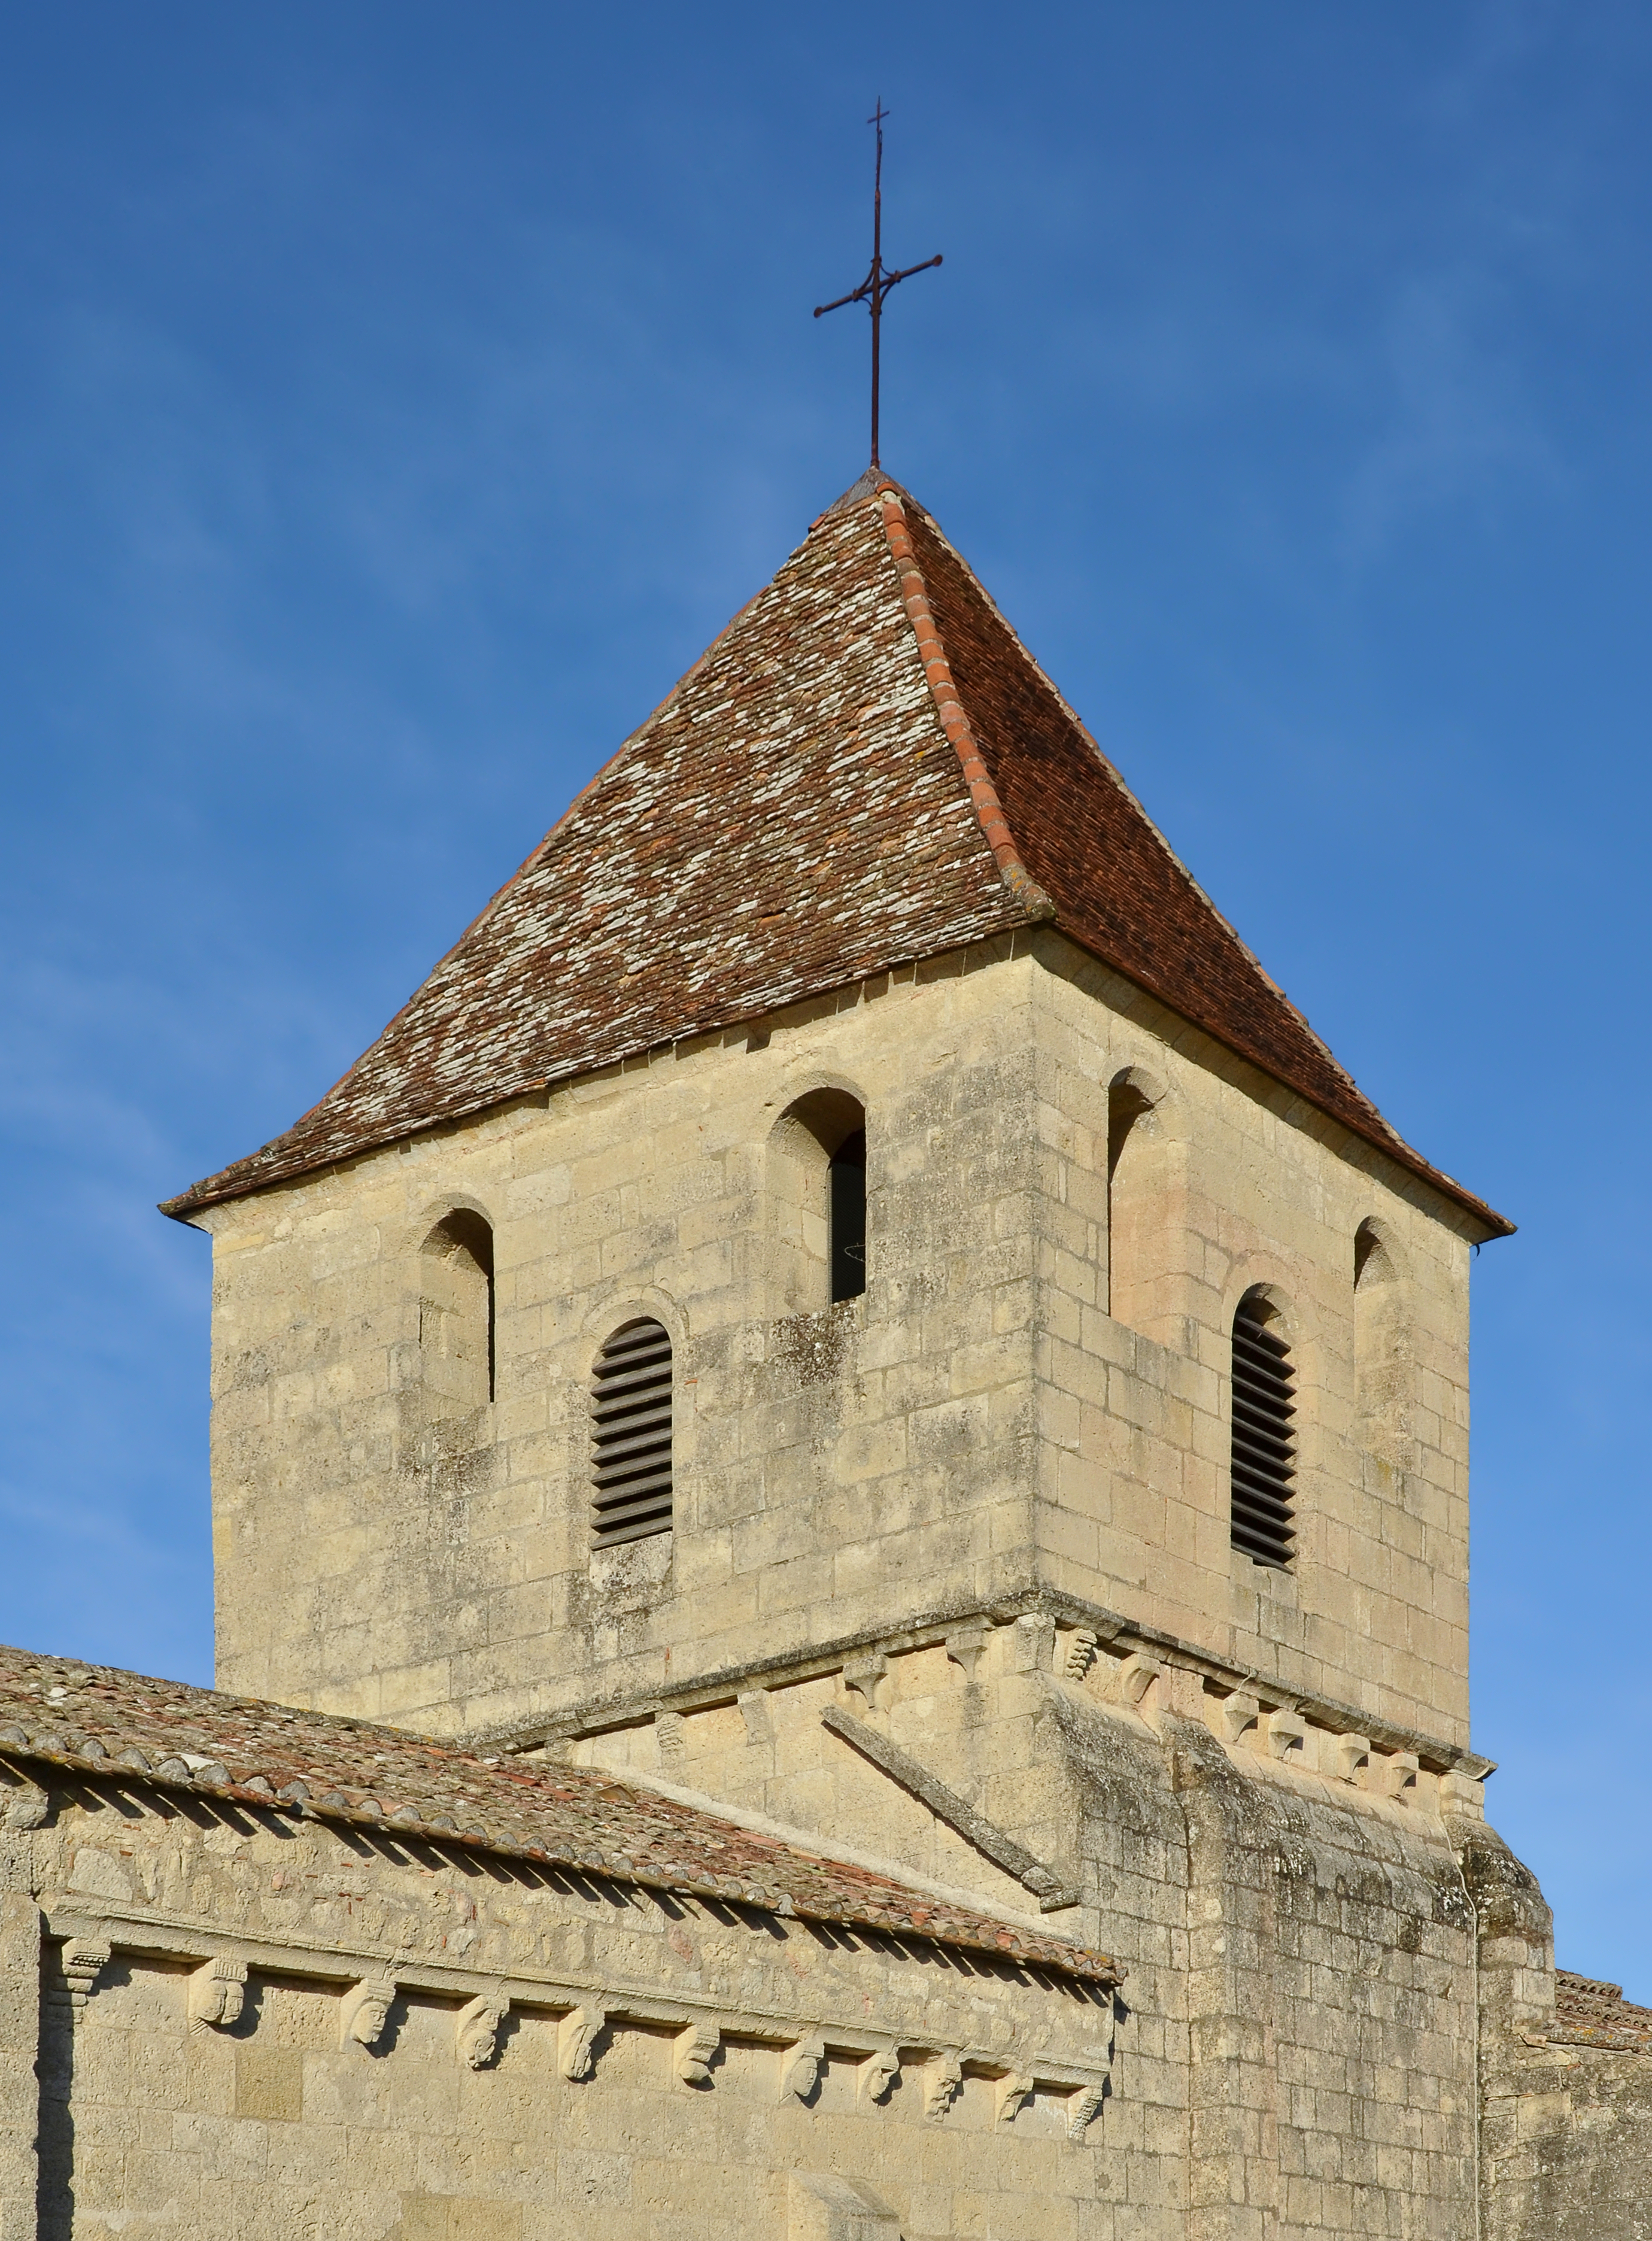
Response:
column 1013, row 2093
column 1082, row 2108
column 1396, row 1776
column 943, row 2083
column 363, row 2013
column 84, row 1960
column 694, row 2053
column 218, row 1993
column 1238, row 1712
column 1080, row 1653
column 966, row 1646
column 800, row 2067
column 1134, row 1677
column 1352, row 1753
column 576, row 2040
column 879, row 2075
column 1286, row 1733
column 669, row 1737
column 1033, row 1634
column 867, row 1676
column 476, row 2032
column 754, row 1710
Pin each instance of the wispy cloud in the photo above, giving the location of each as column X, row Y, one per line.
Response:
column 1457, row 423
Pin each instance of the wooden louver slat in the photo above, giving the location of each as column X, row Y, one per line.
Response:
column 631, row 1410
column 1264, row 1442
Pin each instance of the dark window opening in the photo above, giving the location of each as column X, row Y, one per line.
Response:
column 1264, row 1440
column 631, row 1407
column 847, row 1218
column 1125, row 1105
column 1130, row 1219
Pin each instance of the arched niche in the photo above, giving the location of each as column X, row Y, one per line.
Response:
column 455, row 1312
column 1140, row 1200
column 1382, row 1347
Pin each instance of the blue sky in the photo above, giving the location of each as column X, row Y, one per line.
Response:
column 394, row 401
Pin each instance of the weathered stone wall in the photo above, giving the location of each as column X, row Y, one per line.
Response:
column 1293, row 2055
column 950, row 1582
column 249, row 2027
column 1299, row 2052
column 1255, row 1189
column 1566, row 2137
column 978, row 1422
column 215, row 2018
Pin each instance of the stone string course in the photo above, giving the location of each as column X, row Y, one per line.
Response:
column 219, row 2016
column 366, row 1987
column 1090, row 1642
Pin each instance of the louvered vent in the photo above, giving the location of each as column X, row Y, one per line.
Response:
column 1264, row 1440
column 630, row 1436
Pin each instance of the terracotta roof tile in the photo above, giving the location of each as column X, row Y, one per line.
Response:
column 105, row 1723
column 1590, row 2013
column 1116, row 886
column 867, row 768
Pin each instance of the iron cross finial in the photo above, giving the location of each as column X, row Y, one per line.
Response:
column 878, row 282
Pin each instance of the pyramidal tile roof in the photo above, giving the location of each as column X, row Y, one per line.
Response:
column 865, row 768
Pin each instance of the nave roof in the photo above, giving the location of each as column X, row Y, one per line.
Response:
column 98, row 1723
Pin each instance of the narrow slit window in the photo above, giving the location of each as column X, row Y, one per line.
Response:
column 847, row 1217
column 631, row 1406
column 1135, row 1211
column 1264, row 1439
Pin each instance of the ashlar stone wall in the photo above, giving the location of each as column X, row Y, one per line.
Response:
column 1297, row 2054
column 248, row 2026
column 1566, row 2136
column 977, row 1422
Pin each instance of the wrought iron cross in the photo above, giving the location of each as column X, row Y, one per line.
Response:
column 878, row 282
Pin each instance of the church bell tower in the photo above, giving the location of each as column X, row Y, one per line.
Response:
column 849, row 1295
column 848, row 1227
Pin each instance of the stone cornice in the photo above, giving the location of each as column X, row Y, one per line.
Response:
column 929, row 1629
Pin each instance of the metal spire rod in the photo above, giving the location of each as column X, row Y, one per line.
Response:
column 878, row 282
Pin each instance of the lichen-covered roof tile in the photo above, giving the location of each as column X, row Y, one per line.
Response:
column 98, row 1721
column 866, row 769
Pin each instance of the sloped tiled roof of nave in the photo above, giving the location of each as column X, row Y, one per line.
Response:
column 98, row 1722
column 863, row 770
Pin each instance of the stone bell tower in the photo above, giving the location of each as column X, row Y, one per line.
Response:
column 849, row 1291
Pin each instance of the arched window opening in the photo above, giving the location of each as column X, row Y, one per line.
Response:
column 1264, row 1438
column 1135, row 1216
column 817, row 1186
column 456, row 1311
column 846, row 1190
column 1373, row 1263
column 1381, row 1349
column 631, row 1408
